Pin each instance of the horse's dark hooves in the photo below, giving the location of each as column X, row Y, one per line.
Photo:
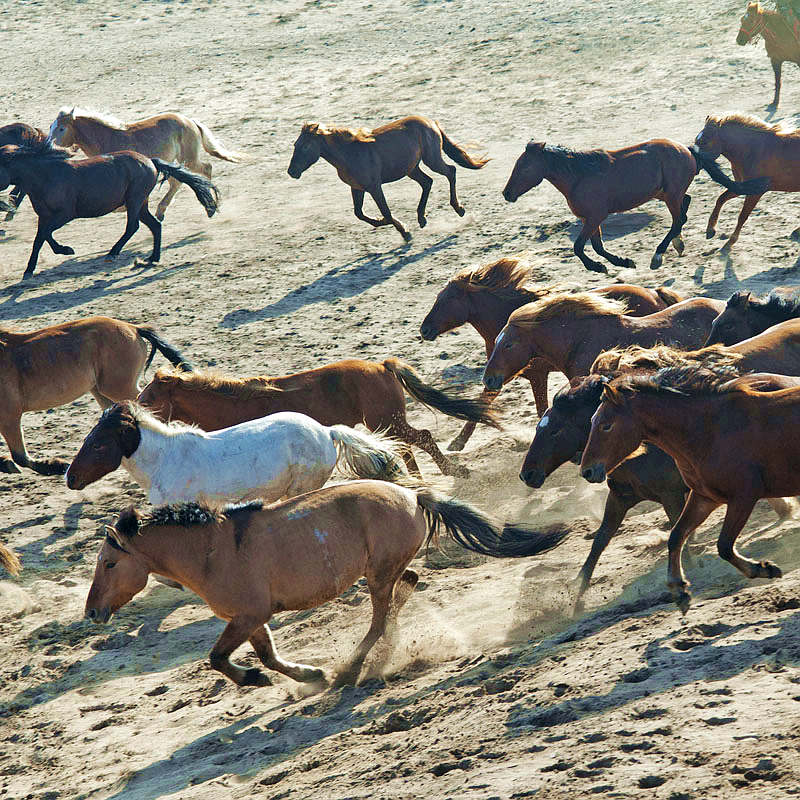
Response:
column 795, row 235
column 66, row 250
column 628, row 263
column 456, row 445
column 710, row 233
column 460, row 471
column 461, row 211
column 53, row 466
column 422, row 222
column 770, row 570
column 255, row 677
column 655, row 261
column 596, row 266
column 9, row 467
column 27, row 275
column 406, row 237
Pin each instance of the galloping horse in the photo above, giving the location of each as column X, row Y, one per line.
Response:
column 754, row 148
column 278, row 456
column 571, row 330
column 170, row 137
column 250, row 562
column 745, row 316
column 21, row 134
column 597, row 183
column 486, row 296
column 56, row 365
column 728, row 439
column 62, row 190
column 779, row 40
column 366, row 159
column 347, row 392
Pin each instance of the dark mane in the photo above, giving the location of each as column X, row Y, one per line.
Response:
column 183, row 515
column 583, row 389
column 777, row 307
column 20, row 133
column 577, row 163
column 43, row 149
column 687, row 381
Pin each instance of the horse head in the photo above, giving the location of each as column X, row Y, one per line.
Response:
column 752, row 24
column 61, row 130
column 157, row 396
column 114, row 437
column 451, row 310
column 307, row 149
column 510, row 356
column 528, row 172
column 708, row 140
column 734, row 323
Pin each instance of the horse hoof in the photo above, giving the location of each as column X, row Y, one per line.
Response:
column 255, row 677
column 460, row 211
column 628, row 263
column 159, row 215
column 770, row 570
column 655, row 261
column 457, row 445
column 422, row 222
column 27, row 275
column 406, row 237
column 9, row 467
column 678, row 245
column 596, row 266
column 460, row 471
column 683, row 601
column 795, row 235
column 710, row 233
column 66, row 251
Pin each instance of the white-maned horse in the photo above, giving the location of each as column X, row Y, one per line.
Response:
column 281, row 455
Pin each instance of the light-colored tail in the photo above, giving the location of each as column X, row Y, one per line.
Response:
column 368, row 455
column 9, row 560
column 214, row 147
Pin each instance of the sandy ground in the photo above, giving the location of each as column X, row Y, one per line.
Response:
column 494, row 691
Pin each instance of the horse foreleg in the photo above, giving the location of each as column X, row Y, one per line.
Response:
column 537, row 373
column 617, row 261
column 130, row 228
column 469, row 428
column 263, row 644
column 711, row 227
column 155, row 228
column 694, row 513
column 358, row 209
column 736, row 516
column 45, row 228
column 236, row 633
column 383, row 207
column 167, row 198
column 425, row 181
column 587, row 230
column 747, row 207
column 59, row 249
column 12, row 433
column 776, row 68
column 678, row 211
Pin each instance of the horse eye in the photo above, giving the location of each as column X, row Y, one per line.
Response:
column 111, row 564
column 607, row 427
column 508, row 344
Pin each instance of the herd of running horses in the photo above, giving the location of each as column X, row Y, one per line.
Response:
column 684, row 401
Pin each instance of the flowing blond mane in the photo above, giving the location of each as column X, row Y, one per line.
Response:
column 507, row 277
column 105, row 119
column 753, row 123
column 340, row 132
column 149, row 421
column 236, row 388
column 562, row 304
column 628, row 359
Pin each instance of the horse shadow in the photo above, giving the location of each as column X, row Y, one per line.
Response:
column 346, row 280
column 730, row 281
column 615, row 226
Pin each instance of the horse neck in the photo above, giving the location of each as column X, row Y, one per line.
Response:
column 156, row 451
column 488, row 313
column 778, row 36
column 94, row 138
column 177, row 553
column 572, row 347
column 740, row 143
column 335, row 151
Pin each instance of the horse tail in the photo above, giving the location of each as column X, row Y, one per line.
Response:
column 459, row 154
column 214, row 147
column 368, row 455
column 205, row 191
column 9, row 560
column 669, row 296
column 475, row 531
column 167, row 350
column 459, row 407
column 706, row 162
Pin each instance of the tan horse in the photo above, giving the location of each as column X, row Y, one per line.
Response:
column 171, row 137
column 56, row 365
column 9, row 560
column 250, row 562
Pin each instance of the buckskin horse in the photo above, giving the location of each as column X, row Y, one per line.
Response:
column 250, row 562
column 61, row 190
column 597, row 183
column 171, row 137
column 366, row 159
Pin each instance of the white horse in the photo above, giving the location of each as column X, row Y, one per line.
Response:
column 278, row 456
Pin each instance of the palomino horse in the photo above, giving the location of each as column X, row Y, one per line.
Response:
column 570, row 330
column 170, row 137
column 754, row 148
column 62, row 190
column 56, row 365
column 727, row 438
column 250, row 562
column 9, row 560
column 597, row 183
column 745, row 316
column 485, row 297
column 278, row 456
column 21, row 134
column 347, row 392
column 779, row 40
column 366, row 159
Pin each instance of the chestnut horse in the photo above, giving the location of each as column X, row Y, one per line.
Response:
column 56, row 365
column 21, row 134
column 170, row 137
column 347, row 392
column 597, row 183
column 485, row 297
column 62, row 190
column 754, row 148
column 366, row 159
column 570, row 331
column 779, row 40
column 745, row 316
column 250, row 562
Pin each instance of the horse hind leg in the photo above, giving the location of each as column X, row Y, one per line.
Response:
column 155, row 228
column 599, row 248
column 425, row 441
column 466, row 432
column 12, row 433
column 383, row 207
column 167, row 198
column 264, row 645
column 425, row 181
column 237, row 632
column 747, row 207
column 433, row 160
column 677, row 208
column 133, row 208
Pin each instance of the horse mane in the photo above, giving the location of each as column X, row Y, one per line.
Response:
column 505, row 277
column 106, row 119
column 577, row 305
column 149, row 421
column 626, row 359
column 586, row 388
column 576, row 163
column 753, row 123
column 236, row 388
column 688, row 381
column 42, row 148
column 340, row 132
column 183, row 515
column 776, row 306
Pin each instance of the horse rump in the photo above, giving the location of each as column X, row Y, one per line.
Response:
column 167, row 350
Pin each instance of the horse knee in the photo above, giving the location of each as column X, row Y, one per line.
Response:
column 725, row 550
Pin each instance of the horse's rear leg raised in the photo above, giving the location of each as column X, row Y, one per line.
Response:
column 677, row 207
column 263, row 644
column 469, row 428
column 425, row 441
column 167, row 198
column 383, row 207
column 617, row 261
column 425, row 181
column 12, row 433
column 589, row 227
column 435, row 162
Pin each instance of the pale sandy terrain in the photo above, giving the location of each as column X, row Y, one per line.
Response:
column 494, row 690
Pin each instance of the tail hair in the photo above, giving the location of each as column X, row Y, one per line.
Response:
column 167, row 350
column 475, row 531
column 205, row 191
column 669, row 296
column 368, row 455
column 459, row 154
column 706, row 162
column 470, row 410
column 214, row 147
column 9, row 560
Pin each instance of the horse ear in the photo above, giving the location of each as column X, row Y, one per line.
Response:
column 612, row 395
column 534, row 146
column 738, row 299
column 310, row 127
column 127, row 523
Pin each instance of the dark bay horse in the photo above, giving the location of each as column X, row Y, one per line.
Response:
column 728, row 439
column 597, row 183
column 61, row 190
column 745, row 316
column 250, row 562
column 20, row 134
column 571, row 330
column 486, row 296
column 347, row 392
column 53, row 366
column 754, row 148
column 366, row 159
column 779, row 40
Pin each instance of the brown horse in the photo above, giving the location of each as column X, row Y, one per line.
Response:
column 779, row 40
column 170, row 137
column 571, row 330
column 745, row 316
column 486, row 296
column 250, row 562
column 345, row 392
column 597, row 183
column 754, row 148
column 56, row 365
column 21, row 134
column 62, row 190
column 366, row 159
column 728, row 439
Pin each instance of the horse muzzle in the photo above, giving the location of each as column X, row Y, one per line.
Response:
column 532, row 477
column 428, row 332
column 73, row 482
column 509, row 196
column 742, row 38
column 494, row 383
column 294, row 172
column 596, row 473
column 98, row 615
